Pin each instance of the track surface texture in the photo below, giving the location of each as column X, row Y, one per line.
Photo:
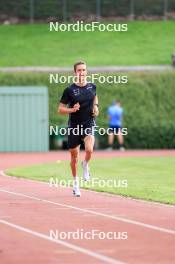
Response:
column 31, row 211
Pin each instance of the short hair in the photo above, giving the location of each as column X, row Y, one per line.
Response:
column 115, row 101
column 78, row 63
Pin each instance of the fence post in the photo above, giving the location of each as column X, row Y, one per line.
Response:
column 165, row 9
column 132, row 9
column 31, row 11
column 98, row 10
column 64, row 10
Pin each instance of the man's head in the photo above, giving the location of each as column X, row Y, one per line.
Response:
column 80, row 71
column 116, row 102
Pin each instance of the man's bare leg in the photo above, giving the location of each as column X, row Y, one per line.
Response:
column 120, row 141
column 110, row 141
column 74, row 168
column 74, row 160
column 89, row 145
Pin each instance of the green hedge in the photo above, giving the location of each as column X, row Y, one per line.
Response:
column 147, row 98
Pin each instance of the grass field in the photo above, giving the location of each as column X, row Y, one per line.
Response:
column 33, row 45
column 148, row 178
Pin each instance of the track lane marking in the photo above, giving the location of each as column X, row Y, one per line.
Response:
column 117, row 218
column 83, row 250
column 2, row 173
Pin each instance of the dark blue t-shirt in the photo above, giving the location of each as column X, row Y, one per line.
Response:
column 85, row 97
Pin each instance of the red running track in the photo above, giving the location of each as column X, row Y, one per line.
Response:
column 30, row 210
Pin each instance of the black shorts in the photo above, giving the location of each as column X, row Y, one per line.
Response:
column 115, row 129
column 76, row 136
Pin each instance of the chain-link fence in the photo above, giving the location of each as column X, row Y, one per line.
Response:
column 16, row 11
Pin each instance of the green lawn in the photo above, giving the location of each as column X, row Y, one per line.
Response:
column 34, row 45
column 148, row 178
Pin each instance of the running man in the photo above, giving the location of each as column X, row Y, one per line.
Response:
column 115, row 115
column 80, row 102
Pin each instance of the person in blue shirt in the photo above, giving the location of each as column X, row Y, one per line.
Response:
column 115, row 115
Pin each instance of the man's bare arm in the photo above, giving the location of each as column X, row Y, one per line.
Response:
column 96, row 100
column 64, row 110
column 95, row 107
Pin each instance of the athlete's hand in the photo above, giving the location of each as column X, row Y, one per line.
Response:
column 76, row 107
column 95, row 111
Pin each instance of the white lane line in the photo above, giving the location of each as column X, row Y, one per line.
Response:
column 122, row 219
column 83, row 250
column 2, row 173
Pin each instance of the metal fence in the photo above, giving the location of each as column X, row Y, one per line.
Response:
column 71, row 10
